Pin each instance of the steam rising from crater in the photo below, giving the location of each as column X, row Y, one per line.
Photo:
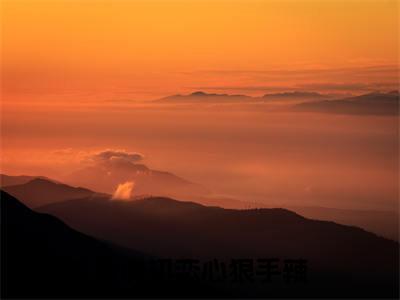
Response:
column 123, row 191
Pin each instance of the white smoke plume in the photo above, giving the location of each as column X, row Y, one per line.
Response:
column 123, row 191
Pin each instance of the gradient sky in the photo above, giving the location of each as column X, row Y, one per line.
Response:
column 66, row 64
column 151, row 48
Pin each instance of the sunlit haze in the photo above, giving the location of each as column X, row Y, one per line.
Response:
column 80, row 77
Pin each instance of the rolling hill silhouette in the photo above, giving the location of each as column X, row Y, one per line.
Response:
column 368, row 104
column 382, row 223
column 43, row 257
column 42, row 191
column 166, row 227
column 38, row 192
column 6, row 180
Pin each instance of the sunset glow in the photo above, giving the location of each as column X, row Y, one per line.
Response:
column 199, row 149
column 147, row 49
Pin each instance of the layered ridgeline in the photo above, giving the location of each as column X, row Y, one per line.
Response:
column 38, row 249
column 42, row 257
column 38, row 192
column 347, row 260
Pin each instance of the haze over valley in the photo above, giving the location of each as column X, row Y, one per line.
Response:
column 199, row 149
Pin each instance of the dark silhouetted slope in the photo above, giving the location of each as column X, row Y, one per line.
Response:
column 172, row 228
column 382, row 223
column 41, row 257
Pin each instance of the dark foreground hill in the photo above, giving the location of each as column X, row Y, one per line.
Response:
column 343, row 260
column 41, row 257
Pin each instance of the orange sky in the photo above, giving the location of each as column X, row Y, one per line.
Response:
column 69, row 52
column 145, row 49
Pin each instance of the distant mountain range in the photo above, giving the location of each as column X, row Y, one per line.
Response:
column 368, row 104
column 202, row 97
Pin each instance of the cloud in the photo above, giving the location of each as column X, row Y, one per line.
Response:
column 304, row 72
column 312, row 86
column 105, row 160
column 112, row 160
column 117, row 155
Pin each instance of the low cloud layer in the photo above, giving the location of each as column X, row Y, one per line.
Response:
column 354, row 79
